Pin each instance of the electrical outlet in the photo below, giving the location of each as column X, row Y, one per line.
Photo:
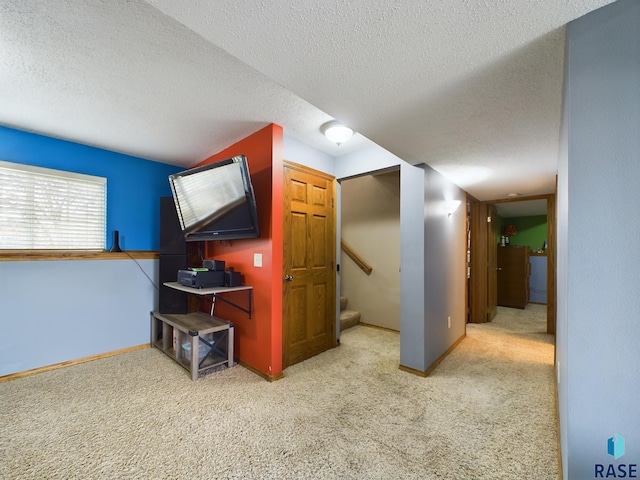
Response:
column 449, row 321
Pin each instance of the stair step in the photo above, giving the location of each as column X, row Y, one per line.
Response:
column 348, row 319
column 343, row 302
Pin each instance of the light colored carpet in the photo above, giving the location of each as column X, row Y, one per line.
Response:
column 486, row 412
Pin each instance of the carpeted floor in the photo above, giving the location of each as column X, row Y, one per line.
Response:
column 486, row 412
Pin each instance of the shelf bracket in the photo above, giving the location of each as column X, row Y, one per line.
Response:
column 217, row 297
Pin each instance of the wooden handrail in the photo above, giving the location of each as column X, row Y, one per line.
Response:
column 364, row 266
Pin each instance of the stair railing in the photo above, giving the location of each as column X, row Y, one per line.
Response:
column 364, row 266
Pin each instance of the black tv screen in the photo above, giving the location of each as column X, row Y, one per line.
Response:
column 216, row 201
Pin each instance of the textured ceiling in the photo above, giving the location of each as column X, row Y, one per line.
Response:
column 472, row 88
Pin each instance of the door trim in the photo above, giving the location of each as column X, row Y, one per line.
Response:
column 479, row 251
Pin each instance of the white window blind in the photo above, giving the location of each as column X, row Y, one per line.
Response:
column 41, row 208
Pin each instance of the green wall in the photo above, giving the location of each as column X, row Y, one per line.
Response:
column 532, row 231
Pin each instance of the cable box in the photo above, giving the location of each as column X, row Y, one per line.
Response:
column 201, row 278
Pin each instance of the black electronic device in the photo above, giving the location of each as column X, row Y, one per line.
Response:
column 216, row 201
column 232, row 279
column 201, row 278
column 217, row 265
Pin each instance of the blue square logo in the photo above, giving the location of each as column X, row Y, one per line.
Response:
column 615, row 446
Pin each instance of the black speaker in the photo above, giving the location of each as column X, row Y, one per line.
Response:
column 115, row 246
column 172, row 240
column 173, row 257
column 215, row 265
column 170, row 299
column 232, row 279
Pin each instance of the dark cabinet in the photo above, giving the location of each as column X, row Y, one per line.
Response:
column 513, row 276
column 173, row 257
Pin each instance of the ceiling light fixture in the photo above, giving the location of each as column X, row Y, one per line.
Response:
column 513, row 195
column 336, row 132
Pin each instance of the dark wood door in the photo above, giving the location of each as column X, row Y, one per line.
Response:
column 309, row 315
column 492, row 263
column 513, row 276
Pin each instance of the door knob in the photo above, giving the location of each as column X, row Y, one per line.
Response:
column 288, row 278
column 498, row 268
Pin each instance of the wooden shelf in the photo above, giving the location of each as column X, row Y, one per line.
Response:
column 215, row 292
column 206, row 291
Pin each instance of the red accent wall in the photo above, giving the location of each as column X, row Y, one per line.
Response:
column 258, row 340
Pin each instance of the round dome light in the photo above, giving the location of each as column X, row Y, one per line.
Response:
column 336, row 132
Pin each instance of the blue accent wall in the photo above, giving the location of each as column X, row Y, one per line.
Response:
column 84, row 308
column 134, row 184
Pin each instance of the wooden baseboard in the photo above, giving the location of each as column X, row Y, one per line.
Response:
column 432, row 367
column 412, row 371
column 70, row 363
column 378, row 327
column 557, row 405
column 268, row 378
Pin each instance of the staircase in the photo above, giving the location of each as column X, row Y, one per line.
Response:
column 348, row 318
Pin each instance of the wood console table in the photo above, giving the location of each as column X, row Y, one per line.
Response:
column 197, row 341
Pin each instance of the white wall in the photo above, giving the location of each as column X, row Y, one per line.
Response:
column 302, row 154
column 599, row 227
column 56, row 311
column 369, row 160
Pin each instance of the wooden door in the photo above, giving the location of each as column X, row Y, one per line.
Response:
column 513, row 277
column 492, row 262
column 478, row 279
column 309, row 313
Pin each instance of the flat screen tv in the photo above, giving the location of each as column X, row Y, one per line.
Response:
column 216, row 201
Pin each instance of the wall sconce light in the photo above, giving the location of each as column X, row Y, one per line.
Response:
column 451, row 206
column 336, row 132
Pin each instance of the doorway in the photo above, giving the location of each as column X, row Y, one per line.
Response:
column 370, row 228
column 483, row 283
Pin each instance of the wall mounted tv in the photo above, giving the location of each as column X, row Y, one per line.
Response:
column 216, row 201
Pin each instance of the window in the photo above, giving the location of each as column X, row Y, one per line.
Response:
column 49, row 209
